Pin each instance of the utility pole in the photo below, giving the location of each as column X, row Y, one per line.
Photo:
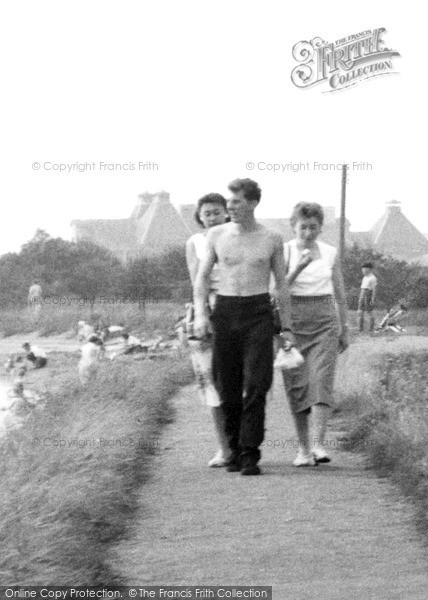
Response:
column 342, row 213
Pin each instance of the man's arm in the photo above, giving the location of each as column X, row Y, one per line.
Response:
column 342, row 308
column 281, row 287
column 202, row 288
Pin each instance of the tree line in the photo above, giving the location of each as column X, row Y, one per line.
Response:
column 85, row 270
column 398, row 281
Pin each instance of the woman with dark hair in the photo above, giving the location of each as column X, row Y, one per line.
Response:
column 319, row 322
column 211, row 211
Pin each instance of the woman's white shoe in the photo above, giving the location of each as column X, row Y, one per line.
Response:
column 218, row 460
column 320, row 455
column 304, row 459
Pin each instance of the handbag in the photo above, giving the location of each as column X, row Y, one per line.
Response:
column 286, row 360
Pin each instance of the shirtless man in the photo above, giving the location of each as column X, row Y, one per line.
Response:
column 246, row 253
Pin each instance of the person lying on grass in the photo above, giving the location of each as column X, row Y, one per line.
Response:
column 35, row 355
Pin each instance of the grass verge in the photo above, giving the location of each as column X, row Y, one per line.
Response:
column 390, row 425
column 71, row 474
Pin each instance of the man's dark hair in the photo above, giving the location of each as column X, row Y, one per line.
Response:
column 307, row 210
column 250, row 188
column 212, row 198
column 367, row 265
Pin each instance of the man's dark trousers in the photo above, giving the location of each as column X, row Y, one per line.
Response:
column 243, row 369
column 365, row 304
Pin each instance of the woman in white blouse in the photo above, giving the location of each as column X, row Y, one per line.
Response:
column 319, row 321
column 211, row 211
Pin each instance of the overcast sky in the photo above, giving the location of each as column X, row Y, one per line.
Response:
column 201, row 89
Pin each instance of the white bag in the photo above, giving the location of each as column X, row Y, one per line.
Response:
column 288, row 359
column 201, row 356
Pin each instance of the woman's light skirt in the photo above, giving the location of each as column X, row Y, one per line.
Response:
column 315, row 327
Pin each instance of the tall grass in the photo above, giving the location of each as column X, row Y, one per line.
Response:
column 70, row 475
column 389, row 423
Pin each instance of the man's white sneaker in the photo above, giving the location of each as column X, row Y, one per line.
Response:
column 218, row 460
column 320, row 455
column 304, row 459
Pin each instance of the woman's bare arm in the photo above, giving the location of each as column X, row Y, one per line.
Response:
column 303, row 262
column 192, row 260
column 201, row 289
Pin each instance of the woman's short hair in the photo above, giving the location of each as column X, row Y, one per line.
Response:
column 209, row 199
column 307, row 210
column 250, row 188
column 367, row 265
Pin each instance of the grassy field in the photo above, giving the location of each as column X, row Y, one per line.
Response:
column 383, row 404
column 154, row 316
column 55, row 319
column 70, row 476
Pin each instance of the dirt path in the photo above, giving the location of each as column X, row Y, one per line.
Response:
column 325, row 533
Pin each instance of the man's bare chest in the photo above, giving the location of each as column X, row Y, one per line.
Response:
column 252, row 251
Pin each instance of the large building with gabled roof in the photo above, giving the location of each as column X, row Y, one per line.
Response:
column 155, row 226
column 394, row 235
column 330, row 230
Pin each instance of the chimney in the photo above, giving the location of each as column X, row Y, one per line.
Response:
column 162, row 196
column 144, row 198
column 393, row 207
column 142, row 205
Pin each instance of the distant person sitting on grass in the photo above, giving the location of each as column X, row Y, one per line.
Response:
column 131, row 344
column 35, row 355
column 389, row 322
column 366, row 301
column 112, row 332
column 84, row 331
column 17, row 368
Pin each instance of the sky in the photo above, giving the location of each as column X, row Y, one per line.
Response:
column 200, row 89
